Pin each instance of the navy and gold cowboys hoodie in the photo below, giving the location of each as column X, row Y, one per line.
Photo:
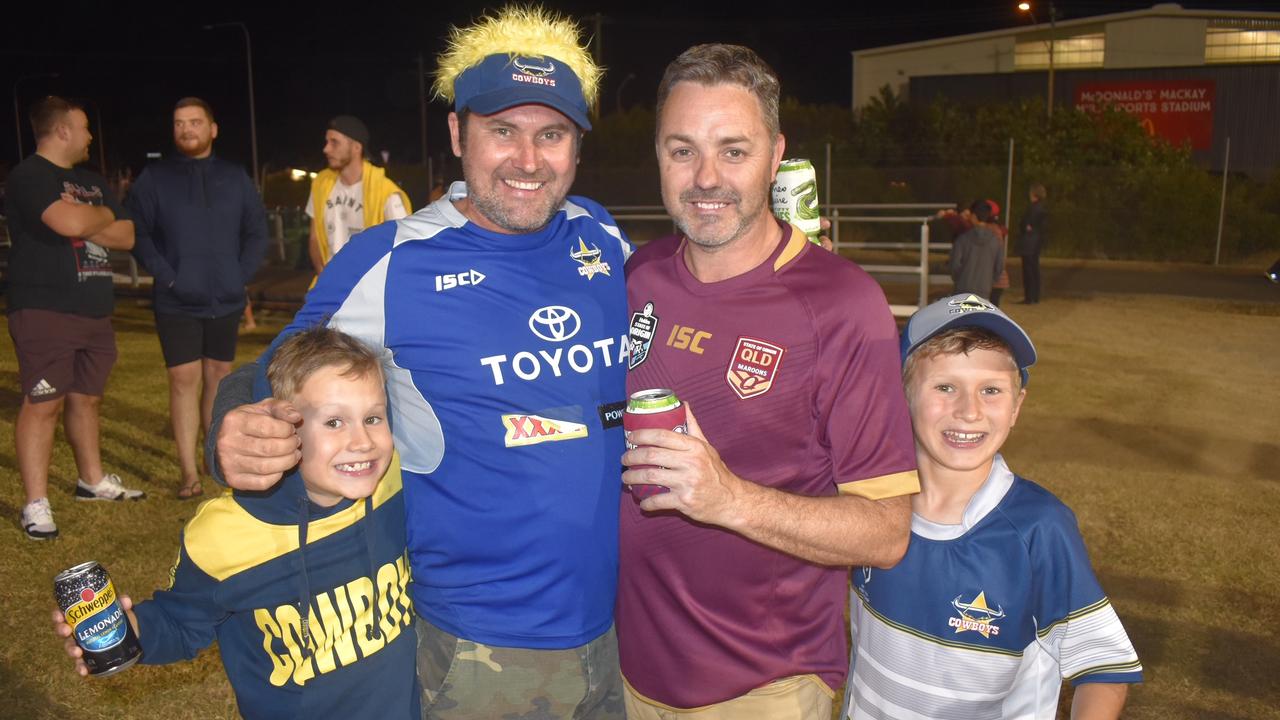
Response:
column 309, row 605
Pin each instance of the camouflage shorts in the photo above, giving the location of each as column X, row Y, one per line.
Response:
column 464, row 680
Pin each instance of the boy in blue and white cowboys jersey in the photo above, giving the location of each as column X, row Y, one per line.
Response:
column 995, row 602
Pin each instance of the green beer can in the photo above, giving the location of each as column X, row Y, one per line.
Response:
column 795, row 196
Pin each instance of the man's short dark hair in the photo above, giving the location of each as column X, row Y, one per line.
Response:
column 195, row 102
column 721, row 64
column 981, row 210
column 1038, row 190
column 47, row 113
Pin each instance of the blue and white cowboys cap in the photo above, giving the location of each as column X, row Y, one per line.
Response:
column 968, row 310
column 502, row 81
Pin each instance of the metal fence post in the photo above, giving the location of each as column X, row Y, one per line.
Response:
column 835, row 229
column 277, row 232
column 924, row 264
column 828, row 179
column 1222, row 211
column 1008, row 198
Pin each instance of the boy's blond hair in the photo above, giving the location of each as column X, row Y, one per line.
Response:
column 962, row 340
column 299, row 357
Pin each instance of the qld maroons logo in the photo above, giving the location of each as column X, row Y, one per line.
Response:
column 754, row 367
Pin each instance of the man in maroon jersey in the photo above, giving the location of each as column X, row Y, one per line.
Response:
column 799, row 460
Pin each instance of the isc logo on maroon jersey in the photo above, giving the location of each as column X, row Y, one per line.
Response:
column 753, row 367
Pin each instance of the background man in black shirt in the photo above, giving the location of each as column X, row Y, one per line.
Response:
column 1032, row 242
column 62, row 221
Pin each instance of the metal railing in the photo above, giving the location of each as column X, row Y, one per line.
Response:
column 646, row 213
column 836, row 214
column 922, row 246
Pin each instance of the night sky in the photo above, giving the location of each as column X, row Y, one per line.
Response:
column 314, row 60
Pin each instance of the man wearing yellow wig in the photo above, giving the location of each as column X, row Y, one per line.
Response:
column 502, row 315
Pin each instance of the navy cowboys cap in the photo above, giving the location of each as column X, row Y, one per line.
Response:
column 968, row 310
column 502, row 81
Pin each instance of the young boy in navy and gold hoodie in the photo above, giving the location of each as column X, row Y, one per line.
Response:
column 304, row 586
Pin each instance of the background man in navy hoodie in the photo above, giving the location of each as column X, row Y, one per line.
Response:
column 201, row 232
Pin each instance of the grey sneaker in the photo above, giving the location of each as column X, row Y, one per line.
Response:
column 37, row 520
column 109, row 489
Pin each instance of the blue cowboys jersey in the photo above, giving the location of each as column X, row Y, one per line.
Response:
column 506, row 361
column 985, row 619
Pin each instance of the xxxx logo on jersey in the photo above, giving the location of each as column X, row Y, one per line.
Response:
column 754, row 367
column 524, row 430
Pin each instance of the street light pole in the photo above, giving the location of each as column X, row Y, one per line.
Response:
column 1053, row 32
column 422, row 111
column 621, row 86
column 17, row 111
column 253, row 118
column 597, row 50
column 101, row 138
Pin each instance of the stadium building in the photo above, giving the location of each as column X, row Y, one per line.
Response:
column 1192, row 76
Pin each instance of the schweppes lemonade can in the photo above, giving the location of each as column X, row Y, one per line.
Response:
column 89, row 604
column 656, row 408
column 795, row 196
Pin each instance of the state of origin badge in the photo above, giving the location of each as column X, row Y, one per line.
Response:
column 644, row 325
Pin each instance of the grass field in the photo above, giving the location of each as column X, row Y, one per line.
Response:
column 1155, row 418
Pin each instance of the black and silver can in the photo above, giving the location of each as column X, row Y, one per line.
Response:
column 89, row 605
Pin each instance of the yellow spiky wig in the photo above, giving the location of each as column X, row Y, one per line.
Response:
column 531, row 31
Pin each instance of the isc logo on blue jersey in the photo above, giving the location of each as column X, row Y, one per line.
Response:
column 450, row 281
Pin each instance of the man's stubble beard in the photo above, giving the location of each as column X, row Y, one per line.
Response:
column 198, row 151
column 746, row 218
column 486, row 201
column 492, row 208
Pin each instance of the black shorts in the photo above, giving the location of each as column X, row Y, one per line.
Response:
column 185, row 339
column 60, row 353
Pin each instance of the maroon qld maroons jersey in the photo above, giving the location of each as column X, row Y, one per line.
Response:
column 792, row 370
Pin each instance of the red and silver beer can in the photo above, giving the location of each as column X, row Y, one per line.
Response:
column 655, row 408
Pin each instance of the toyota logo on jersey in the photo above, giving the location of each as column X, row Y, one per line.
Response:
column 555, row 323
